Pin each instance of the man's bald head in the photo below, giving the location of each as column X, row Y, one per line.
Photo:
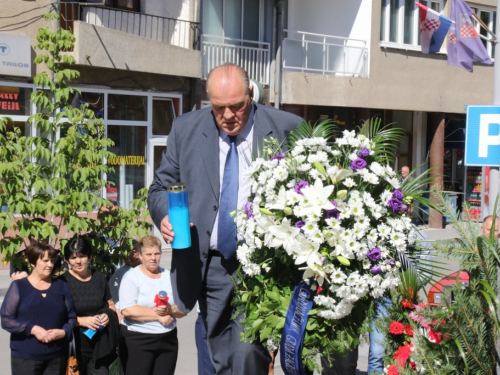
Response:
column 224, row 75
column 487, row 225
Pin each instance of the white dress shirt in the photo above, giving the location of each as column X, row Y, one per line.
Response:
column 244, row 142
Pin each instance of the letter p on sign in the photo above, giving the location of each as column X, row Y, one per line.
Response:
column 489, row 133
column 482, row 136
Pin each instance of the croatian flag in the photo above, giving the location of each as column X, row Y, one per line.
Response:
column 433, row 29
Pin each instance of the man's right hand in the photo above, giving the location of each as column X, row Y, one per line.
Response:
column 166, row 230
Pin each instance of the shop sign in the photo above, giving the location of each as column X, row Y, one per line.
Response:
column 127, row 160
column 15, row 55
column 482, row 136
column 14, row 100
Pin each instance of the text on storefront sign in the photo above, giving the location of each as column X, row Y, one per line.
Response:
column 127, row 160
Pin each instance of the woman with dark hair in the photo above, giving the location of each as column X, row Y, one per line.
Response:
column 38, row 312
column 94, row 308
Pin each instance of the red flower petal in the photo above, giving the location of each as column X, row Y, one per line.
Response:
column 396, row 328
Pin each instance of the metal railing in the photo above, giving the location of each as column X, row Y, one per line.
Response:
column 162, row 29
column 252, row 56
column 325, row 54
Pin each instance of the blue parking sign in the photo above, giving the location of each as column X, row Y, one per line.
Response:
column 482, row 136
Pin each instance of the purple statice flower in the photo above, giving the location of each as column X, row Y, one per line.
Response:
column 333, row 213
column 299, row 224
column 300, row 186
column 279, row 156
column 248, row 209
column 376, row 270
column 374, row 254
column 364, row 152
column 358, row 164
column 395, row 204
column 398, row 194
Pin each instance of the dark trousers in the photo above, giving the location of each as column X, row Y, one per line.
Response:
column 151, row 354
column 54, row 366
column 230, row 355
column 342, row 364
column 205, row 366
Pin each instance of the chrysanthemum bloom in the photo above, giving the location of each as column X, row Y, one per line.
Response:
column 396, row 328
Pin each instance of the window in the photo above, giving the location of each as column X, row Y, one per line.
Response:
column 15, row 101
column 399, row 23
column 488, row 16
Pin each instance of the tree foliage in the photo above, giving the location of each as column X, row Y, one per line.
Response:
column 469, row 320
column 58, row 172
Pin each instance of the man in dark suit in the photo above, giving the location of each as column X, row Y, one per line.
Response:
column 198, row 147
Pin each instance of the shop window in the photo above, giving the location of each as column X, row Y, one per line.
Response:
column 127, row 107
column 15, row 101
column 399, row 23
column 22, row 125
column 94, row 100
column 129, row 165
column 163, row 115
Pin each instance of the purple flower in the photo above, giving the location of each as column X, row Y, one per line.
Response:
column 374, row 254
column 248, row 209
column 364, row 152
column 376, row 270
column 299, row 224
column 398, row 194
column 395, row 204
column 333, row 213
column 358, row 164
column 391, row 262
column 300, row 186
column 279, row 156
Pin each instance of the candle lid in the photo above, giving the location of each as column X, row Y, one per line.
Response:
column 176, row 187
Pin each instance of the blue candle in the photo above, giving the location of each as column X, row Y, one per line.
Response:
column 178, row 213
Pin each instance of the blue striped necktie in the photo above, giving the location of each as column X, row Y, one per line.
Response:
column 226, row 240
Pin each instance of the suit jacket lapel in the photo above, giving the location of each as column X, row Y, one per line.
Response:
column 209, row 148
column 261, row 130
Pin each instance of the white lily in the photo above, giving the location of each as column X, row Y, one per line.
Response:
column 284, row 235
column 318, row 197
column 279, row 201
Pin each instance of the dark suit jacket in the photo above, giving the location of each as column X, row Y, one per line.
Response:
column 192, row 157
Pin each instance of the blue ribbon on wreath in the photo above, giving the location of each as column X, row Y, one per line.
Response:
column 294, row 329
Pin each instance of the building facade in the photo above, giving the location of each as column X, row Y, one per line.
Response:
column 144, row 62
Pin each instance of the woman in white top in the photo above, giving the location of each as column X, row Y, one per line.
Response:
column 149, row 331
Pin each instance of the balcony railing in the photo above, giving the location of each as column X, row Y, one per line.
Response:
column 252, row 56
column 325, row 54
column 162, row 29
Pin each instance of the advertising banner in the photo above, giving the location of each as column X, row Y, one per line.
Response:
column 15, row 55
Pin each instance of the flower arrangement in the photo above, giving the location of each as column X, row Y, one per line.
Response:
column 330, row 216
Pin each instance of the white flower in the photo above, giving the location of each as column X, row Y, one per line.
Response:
column 283, row 235
column 281, row 173
column 337, row 276
column 279, row 201
column 318, row 196
column 349, row 182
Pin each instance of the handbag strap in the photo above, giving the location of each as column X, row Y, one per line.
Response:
column 72, row 346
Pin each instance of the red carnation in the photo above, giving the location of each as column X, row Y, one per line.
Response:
column 396, row 328
column 409, row 330
column 392, row 370
column 407, row 304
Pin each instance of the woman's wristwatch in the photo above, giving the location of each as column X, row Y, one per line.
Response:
column 173, row 309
